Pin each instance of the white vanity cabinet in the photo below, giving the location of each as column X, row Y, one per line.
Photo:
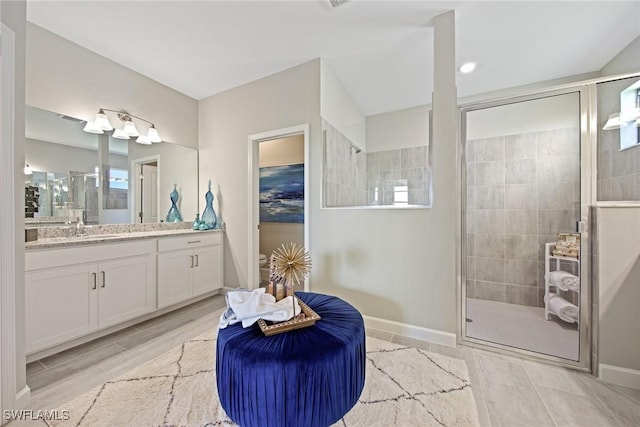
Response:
column 71, row 292
column 188, row 267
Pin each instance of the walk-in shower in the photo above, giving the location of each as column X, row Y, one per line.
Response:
column 521, row 193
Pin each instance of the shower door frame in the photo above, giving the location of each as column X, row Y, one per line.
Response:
column 587, row 111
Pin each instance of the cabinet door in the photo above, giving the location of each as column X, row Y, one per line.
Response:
column 61, row 304
column 125, row 289
column 174, row 277
column 207, row 271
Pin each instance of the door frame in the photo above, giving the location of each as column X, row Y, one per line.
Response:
column 587, row 111
column 10, row 398
column 253, row 275
column 134, row 172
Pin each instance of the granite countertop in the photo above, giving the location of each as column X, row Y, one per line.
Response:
column 60, row 242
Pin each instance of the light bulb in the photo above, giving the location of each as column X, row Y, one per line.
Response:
column 102, row 121
column 91, row 127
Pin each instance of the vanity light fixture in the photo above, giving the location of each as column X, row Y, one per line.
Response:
column 129, row 130
column 613, row 122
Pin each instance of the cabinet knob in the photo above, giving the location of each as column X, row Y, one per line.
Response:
column 104, row 279
column 95, row 281
column 196, row 260
column 191, row 266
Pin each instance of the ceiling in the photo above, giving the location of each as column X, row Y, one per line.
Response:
column 382, row 51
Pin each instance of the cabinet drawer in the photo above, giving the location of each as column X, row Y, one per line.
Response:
column 57, row 257
column 195, row 240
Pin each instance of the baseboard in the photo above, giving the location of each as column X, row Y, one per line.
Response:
column 23, row 398
column 411, row 331
column 620, row 376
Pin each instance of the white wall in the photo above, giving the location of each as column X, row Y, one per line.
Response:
column 14, row 16
column 66, row 78
column 618, row 277
column 626, row 61
column 226, row 120
column 338, row 108
column 557, row 112
column 398, row 129
column 279, row 152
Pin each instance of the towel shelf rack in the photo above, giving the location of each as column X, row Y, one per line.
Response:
column 553, row 263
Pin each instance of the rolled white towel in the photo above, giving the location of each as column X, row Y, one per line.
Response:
column 562, row 308
column 564, row 280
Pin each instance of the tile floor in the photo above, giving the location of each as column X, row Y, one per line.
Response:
column 508, row 391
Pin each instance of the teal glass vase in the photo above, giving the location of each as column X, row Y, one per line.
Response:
column 174, row 213
column 209, row 217
column 196, row 222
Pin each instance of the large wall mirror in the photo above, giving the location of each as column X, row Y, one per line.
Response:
column 99, row 179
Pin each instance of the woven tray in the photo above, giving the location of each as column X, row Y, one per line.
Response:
column 309, row 319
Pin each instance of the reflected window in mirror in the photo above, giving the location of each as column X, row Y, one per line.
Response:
column 618, row 160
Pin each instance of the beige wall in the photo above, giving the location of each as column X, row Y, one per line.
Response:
column 226, row 120
column 391, row 264
column 14, row 16
column 66, row 78
column 279, row 152
column 338, row 108
column 398, row 129
column 618, row 277
column 626, row 61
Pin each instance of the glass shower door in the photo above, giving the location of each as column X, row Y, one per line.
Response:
column 521, row 206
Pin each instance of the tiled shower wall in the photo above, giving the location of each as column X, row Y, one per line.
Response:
column 521, row 191
column 392, row 169
column 345, row 175
column 618, row 171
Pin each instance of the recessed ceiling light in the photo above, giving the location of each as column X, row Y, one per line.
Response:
column 467, row 67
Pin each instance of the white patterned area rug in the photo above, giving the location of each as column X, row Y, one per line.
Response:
column 404, row 387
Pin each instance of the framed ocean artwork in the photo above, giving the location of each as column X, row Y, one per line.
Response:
column 282, row 193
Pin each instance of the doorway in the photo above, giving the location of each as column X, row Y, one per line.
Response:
column 278, row 167
column 525, row 283
column 144, row 189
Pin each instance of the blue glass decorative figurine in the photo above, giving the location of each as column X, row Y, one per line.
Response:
column 196, row 222
column 209, row 217
column 174, row 214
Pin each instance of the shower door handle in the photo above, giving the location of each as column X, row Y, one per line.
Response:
column 581, row 226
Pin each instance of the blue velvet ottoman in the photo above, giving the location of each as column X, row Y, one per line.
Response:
column 309, row 377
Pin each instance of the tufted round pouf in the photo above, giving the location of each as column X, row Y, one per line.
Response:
column 309, row 377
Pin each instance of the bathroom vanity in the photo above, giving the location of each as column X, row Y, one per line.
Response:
column 79, row 288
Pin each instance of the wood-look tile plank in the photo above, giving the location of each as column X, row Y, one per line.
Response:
column 35, row 367
column 508, row 391
column 558, row 378
column 72, row 366
column 569, row 410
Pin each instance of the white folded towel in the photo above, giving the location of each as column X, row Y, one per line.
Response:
column 564, row 280
column 249, row 306
column 562, row 308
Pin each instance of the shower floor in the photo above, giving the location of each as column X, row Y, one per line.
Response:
column 522, row 327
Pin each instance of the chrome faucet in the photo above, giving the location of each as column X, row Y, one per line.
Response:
column 81, row 230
